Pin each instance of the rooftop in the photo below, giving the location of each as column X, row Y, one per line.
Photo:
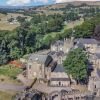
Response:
column 60, row 79
column 87, row 41
column 98, row 55
column 43, row 59
column 59, row 42
column 59, row 68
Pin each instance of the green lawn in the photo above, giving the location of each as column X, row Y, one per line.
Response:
column 4, row 25
column 6, row 95
column 7, row 75
column 10, row 71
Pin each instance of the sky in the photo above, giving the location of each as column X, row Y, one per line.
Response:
column 34, row 2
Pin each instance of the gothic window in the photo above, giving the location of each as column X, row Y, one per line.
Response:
column 59, row 83
column 95, row 86
column 30, row 66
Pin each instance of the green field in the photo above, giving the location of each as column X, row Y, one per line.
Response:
column 6, row 95
column 5, row 25
column 8, row 74
column 10, row 71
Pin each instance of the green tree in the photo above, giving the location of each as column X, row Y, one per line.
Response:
column 3, row 57
column 76, row 64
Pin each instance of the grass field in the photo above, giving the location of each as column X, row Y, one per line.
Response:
column 8, row 74
column 73, row 24
column 6, row 95
column 4, row 25
column 9, row 70
column 7, row 26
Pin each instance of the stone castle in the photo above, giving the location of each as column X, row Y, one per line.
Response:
column 47, row 67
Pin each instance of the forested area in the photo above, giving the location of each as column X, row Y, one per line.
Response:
column 26, row 38
column 35, row 34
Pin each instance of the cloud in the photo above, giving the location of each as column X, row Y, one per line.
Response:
column 62, row 1
column 18, row 2
column 24, row 2
column 43, row 1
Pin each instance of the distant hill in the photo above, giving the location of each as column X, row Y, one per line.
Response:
column 57, row 5
column 75, row 3
column 48, row 7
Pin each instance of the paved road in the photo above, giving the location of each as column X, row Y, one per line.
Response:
column 11, row 87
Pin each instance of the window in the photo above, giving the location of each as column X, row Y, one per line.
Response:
column 59, row 83
column 30, row 66
column 95, row 86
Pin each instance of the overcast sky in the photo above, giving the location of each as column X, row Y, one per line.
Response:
column 34, row 2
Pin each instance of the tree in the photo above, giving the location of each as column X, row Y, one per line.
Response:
column 3, row 57
column 15, row 53
column 76, row 65
column 48, row 40
column 21, row 19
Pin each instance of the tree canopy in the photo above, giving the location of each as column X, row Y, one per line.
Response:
column 75, row 64
column 36, row 34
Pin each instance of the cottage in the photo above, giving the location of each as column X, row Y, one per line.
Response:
column 37, row 65
column 59, row 77
column 89, row 44
column 62, row 45
column 45, row 69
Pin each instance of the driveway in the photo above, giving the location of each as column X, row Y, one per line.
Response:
column 11, row 87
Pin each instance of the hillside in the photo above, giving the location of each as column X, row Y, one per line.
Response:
column 6, row 25
column 62, row 5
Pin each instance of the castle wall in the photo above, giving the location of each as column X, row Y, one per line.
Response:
column 60, row 79
column 91, row 48
column 33, row 70
column 60, row 83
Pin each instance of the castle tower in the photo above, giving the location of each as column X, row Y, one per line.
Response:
column 68, row 44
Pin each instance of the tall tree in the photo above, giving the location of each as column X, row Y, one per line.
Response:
column 76, row 64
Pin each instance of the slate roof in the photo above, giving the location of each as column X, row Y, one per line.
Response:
column 97, row 29
column 60, row 79
column 43, row 59
column 87, row 41
column 59, row 68
column 98, row 55
column 56, row 54
column 79, row 45
column 59, row 42
column 36, row 57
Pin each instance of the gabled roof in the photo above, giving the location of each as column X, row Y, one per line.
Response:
column 60, row 79
column 59, row 42
column 56, row 54
column 43, row 59
column 87, row 41
column 59, row 68
column 97, row 55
